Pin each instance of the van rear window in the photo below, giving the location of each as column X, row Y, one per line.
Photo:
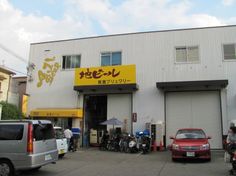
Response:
column 11, row 132
column 43, row 132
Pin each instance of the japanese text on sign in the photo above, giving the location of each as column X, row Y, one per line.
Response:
column 109, row 75
column 98, row 74
column 119, row 81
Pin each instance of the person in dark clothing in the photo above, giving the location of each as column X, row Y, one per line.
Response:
column 71, row 146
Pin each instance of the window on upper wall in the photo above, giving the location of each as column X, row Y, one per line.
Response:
column 70, row 62
column 189, row 54
column 110, row 58
column 229, row 51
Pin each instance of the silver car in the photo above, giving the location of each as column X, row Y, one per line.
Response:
column 26, row 144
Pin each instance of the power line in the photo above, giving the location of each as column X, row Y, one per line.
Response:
column 13, row 53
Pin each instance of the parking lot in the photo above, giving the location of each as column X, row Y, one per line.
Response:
column 92, row 162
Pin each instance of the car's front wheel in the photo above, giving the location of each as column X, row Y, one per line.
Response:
column 6, row 168
column 174, row 159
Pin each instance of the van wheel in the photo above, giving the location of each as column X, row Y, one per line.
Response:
column 6, row 168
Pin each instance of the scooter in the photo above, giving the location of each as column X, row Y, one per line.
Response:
column 145, row 144
column 124, row 144
column 132, row 147
column 144, row 141
column 113, row 144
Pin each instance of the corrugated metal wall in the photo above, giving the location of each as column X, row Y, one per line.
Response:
column 154, row 57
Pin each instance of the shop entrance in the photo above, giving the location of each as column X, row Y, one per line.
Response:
column 62, row 122
column 95, row 113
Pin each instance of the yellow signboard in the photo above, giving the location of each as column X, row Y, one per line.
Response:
column 107, row 75
column 60, row 113
column 24, row 105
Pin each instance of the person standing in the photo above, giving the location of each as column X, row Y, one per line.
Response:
column 76, row 136
column 68, row 134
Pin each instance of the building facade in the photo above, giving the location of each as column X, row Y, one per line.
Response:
column 179, row 78
column 18, row 91
column 5, row 81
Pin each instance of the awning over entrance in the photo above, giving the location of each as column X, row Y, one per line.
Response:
column 192, row 85
column 119, row 87
column 60, row 113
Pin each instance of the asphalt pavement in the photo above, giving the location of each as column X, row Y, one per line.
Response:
column 92, row 162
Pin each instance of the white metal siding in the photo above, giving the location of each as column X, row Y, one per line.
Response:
column 154, row 56
column 194, row 110
column 119, row 106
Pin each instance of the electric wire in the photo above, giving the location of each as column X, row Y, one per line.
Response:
column 13, row 53
column 16, row 56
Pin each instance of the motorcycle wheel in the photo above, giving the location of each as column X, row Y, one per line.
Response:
column 121, row 149
column 128, row 150
column 231, row 172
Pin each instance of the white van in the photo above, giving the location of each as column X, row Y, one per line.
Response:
column 62, row 146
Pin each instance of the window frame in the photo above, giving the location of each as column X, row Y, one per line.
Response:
column 223, row 54
column 187, row 62
column 70, row 69
column 110, row 52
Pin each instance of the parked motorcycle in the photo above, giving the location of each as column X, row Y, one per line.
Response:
column 113, row 144
column 145, row 144
column 103, row 144
column 104, row 141
column 143, row 141
column 132, row 145
column 122, row 144
column 231, row 148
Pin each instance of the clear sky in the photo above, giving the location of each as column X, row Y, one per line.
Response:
column 27, row 21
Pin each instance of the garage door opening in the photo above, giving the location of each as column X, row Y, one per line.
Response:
column 200, row 109
column 95, row 113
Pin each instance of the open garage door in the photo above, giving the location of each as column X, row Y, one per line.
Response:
column 199, row 109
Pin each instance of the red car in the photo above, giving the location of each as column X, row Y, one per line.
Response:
column 190, row 143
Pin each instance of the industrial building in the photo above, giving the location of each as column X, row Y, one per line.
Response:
column 178, row 78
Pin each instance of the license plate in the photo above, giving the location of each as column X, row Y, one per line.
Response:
column 144, row 145
column 190, row 154
column 48, row 157
column 61, row 151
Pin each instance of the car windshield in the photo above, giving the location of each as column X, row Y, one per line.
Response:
column 59, row 134
column 190, row 134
